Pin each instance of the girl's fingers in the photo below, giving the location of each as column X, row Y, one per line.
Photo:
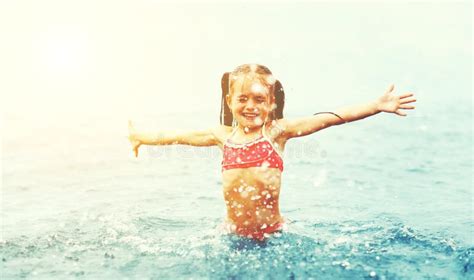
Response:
column 135, row 150
column 400, row 113
column 405, row 95
column 406, row 107
column 407, row 100
column 390, row 89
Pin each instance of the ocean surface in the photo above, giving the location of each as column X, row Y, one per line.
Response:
column 383, row 198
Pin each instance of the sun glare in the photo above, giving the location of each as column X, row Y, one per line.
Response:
column 62, row 52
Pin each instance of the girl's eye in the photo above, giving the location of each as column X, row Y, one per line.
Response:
column 242, row 99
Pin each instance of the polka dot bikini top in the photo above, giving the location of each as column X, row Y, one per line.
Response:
column 257, row 153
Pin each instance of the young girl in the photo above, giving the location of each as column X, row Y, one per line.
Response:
column 252, row 148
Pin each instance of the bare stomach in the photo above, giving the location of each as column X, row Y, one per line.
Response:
column 252, row 199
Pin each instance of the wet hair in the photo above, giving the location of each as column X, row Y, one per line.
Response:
column 264, row 75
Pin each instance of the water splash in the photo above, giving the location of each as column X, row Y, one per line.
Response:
column 140, row 245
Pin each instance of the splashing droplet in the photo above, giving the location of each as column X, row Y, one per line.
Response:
column 320, row 179
column 258, row 88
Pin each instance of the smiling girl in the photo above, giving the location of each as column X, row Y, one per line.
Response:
column 252, row 148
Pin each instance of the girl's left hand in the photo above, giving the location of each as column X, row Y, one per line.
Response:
column 391, row 103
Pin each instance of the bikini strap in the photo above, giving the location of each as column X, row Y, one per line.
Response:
column 263, row 129
column 231, row 134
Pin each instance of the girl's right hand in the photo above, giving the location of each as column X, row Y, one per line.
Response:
column 132, row 137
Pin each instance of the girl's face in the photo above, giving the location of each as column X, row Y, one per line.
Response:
column 250, row 102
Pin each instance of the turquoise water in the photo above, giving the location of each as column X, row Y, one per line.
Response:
column 385, row 198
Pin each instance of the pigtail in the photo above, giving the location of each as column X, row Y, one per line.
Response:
column 226, row 114
column 279, row 93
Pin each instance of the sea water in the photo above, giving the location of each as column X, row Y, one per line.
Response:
column 383, row 198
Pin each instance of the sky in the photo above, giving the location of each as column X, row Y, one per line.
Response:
column 64, row 60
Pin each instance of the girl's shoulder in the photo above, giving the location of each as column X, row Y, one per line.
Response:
column 223, row 129
column 275, row 129
column 222, row 132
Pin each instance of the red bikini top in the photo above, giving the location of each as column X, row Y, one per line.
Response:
column 257, row 153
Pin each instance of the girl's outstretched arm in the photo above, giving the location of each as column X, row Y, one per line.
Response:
column 194, row 138
column 388, row 102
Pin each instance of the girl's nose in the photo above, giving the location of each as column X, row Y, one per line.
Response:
column 250, row 104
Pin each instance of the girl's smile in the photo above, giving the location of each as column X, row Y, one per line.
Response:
column 250, row 116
